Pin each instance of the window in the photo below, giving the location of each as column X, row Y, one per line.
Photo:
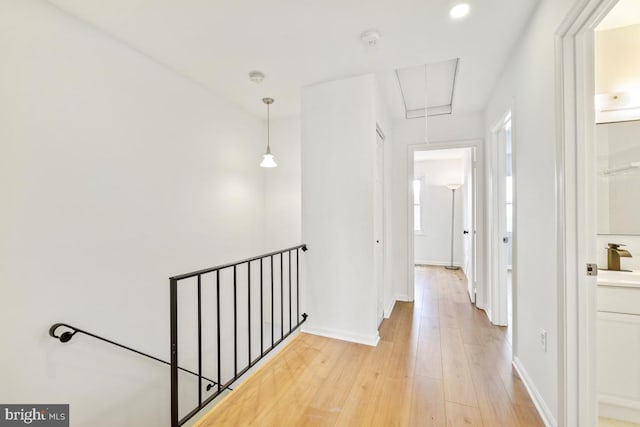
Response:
column 417, row 208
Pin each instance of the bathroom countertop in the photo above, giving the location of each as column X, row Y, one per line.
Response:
column 629, row 279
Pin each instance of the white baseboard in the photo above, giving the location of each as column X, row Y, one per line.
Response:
column 437, row 263
column 371, row 340
column 403, row 298
column 619, row 408
column 389, row 310
column 547, row 417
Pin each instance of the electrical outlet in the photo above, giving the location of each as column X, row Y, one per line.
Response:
column 543, row 339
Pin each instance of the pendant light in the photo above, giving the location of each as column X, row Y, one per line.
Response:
column 268, row 160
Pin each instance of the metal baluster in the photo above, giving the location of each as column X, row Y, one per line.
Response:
column 199, row 340
column 290, row 322
column 281, row 296
column 173, row 308
column 272, row 323
column 297, row 286
column 235, row 324
column 249, row 305
column 218, row 327
column 261, row 311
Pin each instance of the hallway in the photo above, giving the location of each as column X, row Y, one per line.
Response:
column 439, row 362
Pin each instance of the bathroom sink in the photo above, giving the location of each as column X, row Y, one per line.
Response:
column 621, row 277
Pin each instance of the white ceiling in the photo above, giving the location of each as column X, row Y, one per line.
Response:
column 624, row 13
column 302, row 42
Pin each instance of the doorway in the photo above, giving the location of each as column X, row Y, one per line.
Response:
column 580, row 246
column 379, row 225
column 443, row 210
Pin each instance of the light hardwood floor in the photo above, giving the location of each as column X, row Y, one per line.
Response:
column 439, row 363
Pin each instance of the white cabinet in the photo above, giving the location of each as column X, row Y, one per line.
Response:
column 619, row 352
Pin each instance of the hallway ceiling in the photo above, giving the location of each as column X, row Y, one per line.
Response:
column 296, row 43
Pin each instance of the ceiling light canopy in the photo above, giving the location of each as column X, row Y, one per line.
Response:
column 256, row 76
column 267, row 160
column 459, row 11
column 370, row 38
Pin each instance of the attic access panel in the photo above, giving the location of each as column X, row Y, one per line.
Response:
column 427, row 90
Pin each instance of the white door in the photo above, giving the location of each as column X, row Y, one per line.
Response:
column 469, row 228
column 379, row 215
column 502, row 235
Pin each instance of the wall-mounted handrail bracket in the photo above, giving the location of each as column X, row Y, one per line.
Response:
column 67, row 335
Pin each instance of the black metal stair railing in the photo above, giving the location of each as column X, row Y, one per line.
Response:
column 278, row 268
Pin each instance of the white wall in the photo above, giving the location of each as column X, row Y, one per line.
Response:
column 283, row 186
column 116, row 173
column 444, row 132
column 384, row 122
column 338, row 148
column 526, row 86
column 432, row 246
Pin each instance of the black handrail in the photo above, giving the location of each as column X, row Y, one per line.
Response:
column 67, row 335
column 231, row 264
column 235, row 268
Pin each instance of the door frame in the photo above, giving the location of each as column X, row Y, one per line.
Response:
column 380, row 226
column 575, row 212
column 497, row 293
column 475, row 235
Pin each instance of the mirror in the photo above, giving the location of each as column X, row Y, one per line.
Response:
column 618, row 181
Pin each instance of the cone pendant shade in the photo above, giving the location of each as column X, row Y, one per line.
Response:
column 268, row 160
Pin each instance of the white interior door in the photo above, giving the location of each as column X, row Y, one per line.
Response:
column 469, row 230
column 379, row 219
column 502, row 228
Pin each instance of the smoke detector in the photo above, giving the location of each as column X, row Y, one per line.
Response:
column 370, row 38
column 256, row 76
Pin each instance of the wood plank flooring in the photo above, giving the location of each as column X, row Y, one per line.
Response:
column 439, row 363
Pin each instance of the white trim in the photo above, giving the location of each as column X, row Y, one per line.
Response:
column 437, row 263
column 534, row 394
column 576, row 292
column 403, row 298
column 389, row 309
column 619, row 408
column 371, row 340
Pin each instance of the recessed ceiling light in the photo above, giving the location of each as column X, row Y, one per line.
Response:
column 459, row 11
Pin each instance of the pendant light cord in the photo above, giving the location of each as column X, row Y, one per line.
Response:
column 268, row 131
column 426, row 108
